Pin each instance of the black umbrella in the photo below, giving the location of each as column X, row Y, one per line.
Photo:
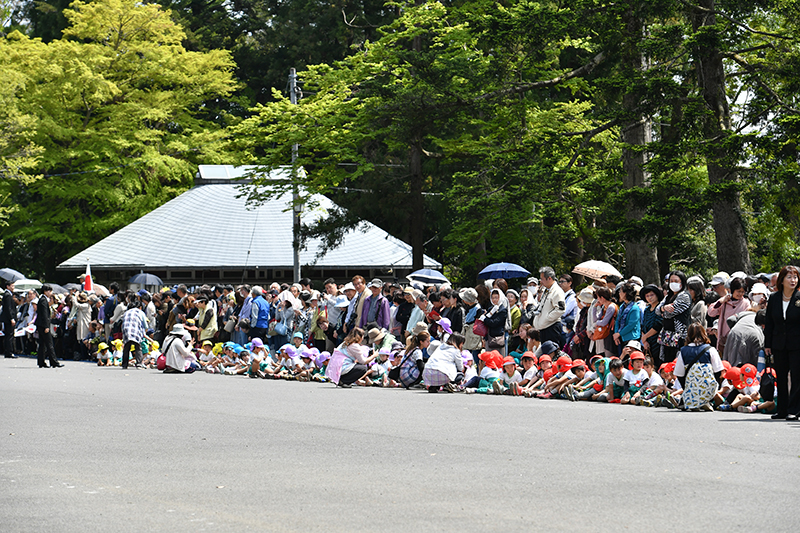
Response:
column 9, row 274
column 146, row 279
column 58, row 289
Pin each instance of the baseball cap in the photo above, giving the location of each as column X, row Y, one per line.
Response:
column 637, row 355
column 719, row 277
column 377, row 282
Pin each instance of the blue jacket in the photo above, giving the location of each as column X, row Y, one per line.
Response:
column 629, row 322
column 262, row 316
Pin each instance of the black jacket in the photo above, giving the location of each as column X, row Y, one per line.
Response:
column 9, row 308
column 43, row 314
column 780, row 334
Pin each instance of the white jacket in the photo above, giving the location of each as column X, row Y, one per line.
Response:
column 447, row 360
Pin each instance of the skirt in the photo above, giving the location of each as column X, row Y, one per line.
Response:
column 700, row 386
column 434, row 378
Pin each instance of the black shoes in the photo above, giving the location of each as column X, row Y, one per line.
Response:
column 791, row 417
column 56, row 365
column 779, row 416
column 12, row 356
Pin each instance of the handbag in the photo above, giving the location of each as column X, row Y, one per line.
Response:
column 281, row 329
column 230, row 324
column 602, row 332
column 479, row 328
column 161, row 362
column 496, row 342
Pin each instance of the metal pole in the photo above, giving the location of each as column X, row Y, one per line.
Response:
column 295, row 193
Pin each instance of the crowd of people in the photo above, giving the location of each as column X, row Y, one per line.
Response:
column 728, row 344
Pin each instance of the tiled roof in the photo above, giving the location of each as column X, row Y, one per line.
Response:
column 210, row 227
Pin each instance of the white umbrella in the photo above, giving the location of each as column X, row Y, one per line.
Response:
column 27, row 284
column 596, row 269
column 100, row 290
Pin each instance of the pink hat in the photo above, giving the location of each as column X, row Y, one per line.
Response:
column 446, row 325
column 321, row 358
column 257, row 343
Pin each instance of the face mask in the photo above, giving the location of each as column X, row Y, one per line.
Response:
column 675, row 287
column 757, row 298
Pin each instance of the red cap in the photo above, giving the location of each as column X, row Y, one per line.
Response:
column 563, row 363
column 749, row 375
column 529, row 354
column 544, row 358
column 734, row 374
column 577, row 363
column 508, row 360
column 637, row 355
column 548, row 374
column 727, row 365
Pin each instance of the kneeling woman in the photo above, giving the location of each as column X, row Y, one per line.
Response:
column 354, row 365
column 445, row 367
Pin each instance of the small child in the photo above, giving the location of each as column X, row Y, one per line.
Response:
column 378, row 373
column 635, row 379
column 489, row 371
column 509, row 380
column 116, row 355
column 321, row 366
column 528, row 361
column 306, row 366
column 103, row 355
column 287, row 365
column 469, row 366
column 574, row 376
column 536, row 385
column 554, row 385
column 646, row 395
column 614, row 384
column 592, row 385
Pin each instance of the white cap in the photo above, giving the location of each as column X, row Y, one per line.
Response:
column 349, row 287
column 760, row 288
column 719, row 277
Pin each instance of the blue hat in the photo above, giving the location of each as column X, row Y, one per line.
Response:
column 297, row 335
column 549, row 347
column 237, row 349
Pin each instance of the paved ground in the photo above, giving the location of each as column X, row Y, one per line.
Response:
column 84, row 448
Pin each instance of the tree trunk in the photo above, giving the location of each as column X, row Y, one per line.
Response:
column 723, row 177
column 640, row 255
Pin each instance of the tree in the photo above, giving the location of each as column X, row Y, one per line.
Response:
column 114, row 106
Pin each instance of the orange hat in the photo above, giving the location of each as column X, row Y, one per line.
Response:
column 548, row 374
column 578, row 363
column 529, row 355
column 727, row 365
column 749, row 374
column 734, row 373
column 544, row 358
column 637, row 355
column 563, row 363
column 492, row 359
column 508, row 360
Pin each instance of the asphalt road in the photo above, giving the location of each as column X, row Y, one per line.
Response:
column 84, row 448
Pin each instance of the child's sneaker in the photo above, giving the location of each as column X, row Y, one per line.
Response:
column 747, row 409
column 725, row 407
column 670, row 401
column 469, row 391
column 569, row 392
column 706, row 407
column 545, row 395
column 497, row 387
column 646, row 403
column 636, row 400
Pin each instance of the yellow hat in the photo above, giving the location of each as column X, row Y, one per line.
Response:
column 102, row 346
column 208, row 343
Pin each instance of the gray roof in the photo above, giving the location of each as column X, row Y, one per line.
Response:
column 210, row 227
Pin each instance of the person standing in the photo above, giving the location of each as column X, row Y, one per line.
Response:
column 547, row 317
column 44, row 328
column 376, row 307
column 8, row 319
column 133, row 333
column 782, row 341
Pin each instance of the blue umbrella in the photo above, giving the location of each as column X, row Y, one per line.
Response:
column 503, row 270
column 9, row 274
column 429, row 276
column 146, row 279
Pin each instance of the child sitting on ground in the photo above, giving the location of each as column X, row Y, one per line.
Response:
column 635, row 379
column 103, row 355
column 614, row 384
column 489, row 364
column 574, row 376
column 320, row 367
column 378, row 373
column 554, row 385
column 116, row 354
column 509, row 379
column 645, row 395
column 537, row 384
column 528, row 361
column 287, row 365
column 591, row 386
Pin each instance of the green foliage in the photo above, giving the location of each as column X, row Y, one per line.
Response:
column 113, row 107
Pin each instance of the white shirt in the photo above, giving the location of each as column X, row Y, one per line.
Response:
column 516, row 378
column 716, row 363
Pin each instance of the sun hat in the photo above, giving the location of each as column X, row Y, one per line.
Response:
column 549, row 347
column 419, row 328
column 586, row 295
column 178, row 329
column 759, row 288
column 637, row 355
column 719, row 277
column 445, row 323
column 102, row 346
column 376, row 335
column 208, row 343
column 636, row 345
column 349, row 287
column 322, row 357
column 469, row 295
column 466, row 357
column 636, row 280
column 257, row 343
column 512, row 291
column 341, row 301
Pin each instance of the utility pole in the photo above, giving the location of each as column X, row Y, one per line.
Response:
column 296, row 208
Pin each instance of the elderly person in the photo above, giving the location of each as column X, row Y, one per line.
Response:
column 420, row 309
column 551, row 307
column 376, row 307
column 134, row 326
column 206, row 318
column 445, row 367
column 782, row 341
column 83, row 316
column 178, row 351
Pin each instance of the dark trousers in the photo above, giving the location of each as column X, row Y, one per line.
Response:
column 46, row 349
column 8, row 339
column 553, row 333
column 786, row 362
column 126, row 353
column 356, row 373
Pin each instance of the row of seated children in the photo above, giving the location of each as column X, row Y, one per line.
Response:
column 112, row 355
